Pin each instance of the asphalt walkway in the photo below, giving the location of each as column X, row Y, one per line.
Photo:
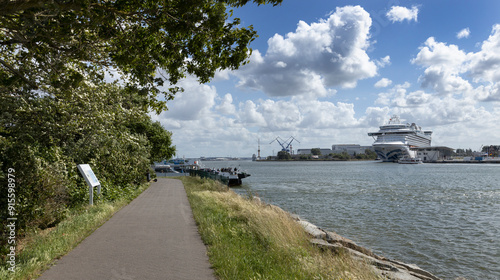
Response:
column 154, row 237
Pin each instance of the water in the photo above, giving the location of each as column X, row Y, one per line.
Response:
column 444, row 218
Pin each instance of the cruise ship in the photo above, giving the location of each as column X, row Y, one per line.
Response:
column 394, row 140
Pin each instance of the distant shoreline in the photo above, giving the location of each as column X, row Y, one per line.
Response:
column 285, row 160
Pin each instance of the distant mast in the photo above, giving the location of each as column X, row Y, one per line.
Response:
column 258, row 151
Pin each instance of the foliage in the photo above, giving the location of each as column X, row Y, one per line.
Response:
column 45, row 138
column 41, row 247
column 492, row 150
column 342, row 156
column 304, row 157
column 369, row 154
column 159, row 139
column 316, row 152
column 58, row 107
column 464, row 152
column 58, row 44
column 283, row 155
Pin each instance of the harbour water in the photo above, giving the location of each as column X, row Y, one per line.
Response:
column 443, row 217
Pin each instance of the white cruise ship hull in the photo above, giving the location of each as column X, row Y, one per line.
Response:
column 395, row 140
column 392, row 152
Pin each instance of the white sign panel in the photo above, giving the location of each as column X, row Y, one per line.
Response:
column 89, row 175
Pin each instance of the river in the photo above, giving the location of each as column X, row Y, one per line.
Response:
column 443, row 217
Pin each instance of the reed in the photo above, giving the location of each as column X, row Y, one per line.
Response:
column 247, row 239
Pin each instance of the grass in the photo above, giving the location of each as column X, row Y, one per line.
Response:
column 38, row 250
column 247, row 239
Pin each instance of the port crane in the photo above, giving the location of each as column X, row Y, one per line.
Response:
column 286, row 145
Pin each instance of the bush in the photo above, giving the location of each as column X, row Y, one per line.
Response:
column 46, row 137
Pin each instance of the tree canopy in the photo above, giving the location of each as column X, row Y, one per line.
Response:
column 59, row 108
column 316, row 151
column 47, row 45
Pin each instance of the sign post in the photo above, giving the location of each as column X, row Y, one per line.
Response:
column 91, row 180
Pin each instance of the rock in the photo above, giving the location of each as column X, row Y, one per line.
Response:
column 257, row 200
column 333, row 237
column 325, row 245
column 313, row 230
column 388, row 269
column 295, row 217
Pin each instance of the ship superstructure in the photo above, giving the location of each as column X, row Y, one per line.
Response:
column 394, row 140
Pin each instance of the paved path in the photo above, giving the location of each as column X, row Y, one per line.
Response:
column 154, row 237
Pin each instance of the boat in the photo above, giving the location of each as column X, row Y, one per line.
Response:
column 228, row 176
column 410, row 160
column 395, row 140
column 165, row 169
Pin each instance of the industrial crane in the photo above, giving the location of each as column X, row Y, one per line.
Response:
column 286, row 146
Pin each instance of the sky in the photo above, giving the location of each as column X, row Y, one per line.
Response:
column 328, row 72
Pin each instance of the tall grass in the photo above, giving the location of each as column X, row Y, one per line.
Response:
column 247, row 239
column 37, row 250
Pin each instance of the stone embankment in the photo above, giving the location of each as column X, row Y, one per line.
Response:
column 389, row 269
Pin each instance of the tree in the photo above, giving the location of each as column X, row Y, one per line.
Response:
column 103, row 125
column 58, row 44
column 370, row 154
column 160, row 141
column 316, row 152
column 58, row 108
column 283, row 155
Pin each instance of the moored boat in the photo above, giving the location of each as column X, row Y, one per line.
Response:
column 228, row 176
column 410, row 160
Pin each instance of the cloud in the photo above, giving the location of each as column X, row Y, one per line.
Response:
column 450, row 70
column 464, row 33
column 384, row 82
column 226, row 106
column 202, row 120
column 384, row 61
column 217, row 126
column 454, row 86
column 485, row 64
column 249, row 114
column 427, row 108
column 399, row 14
column 314, row 58
column 434, row 53
column 196, row 100
column 445, row 64
column 323, row 114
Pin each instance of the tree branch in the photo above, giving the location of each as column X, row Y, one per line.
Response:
column 17, row 73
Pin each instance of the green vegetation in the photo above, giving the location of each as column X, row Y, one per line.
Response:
column 316, row 152
column 59, row 105
column 316, row 155
column 247, row 239
column 46, row 45
column 41, row 247
column 282, row 155
column 46, row 137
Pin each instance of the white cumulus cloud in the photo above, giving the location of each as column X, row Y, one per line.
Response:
column 485, row 64
column 384, row 61
column 314, row 58
column 399, row 14
column 382, row 83
column 450, row 70
column 464, row 33
column 226, row 106
column 444, row 65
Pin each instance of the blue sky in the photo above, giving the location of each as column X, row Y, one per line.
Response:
column 328, row 72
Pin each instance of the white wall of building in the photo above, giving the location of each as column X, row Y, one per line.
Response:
column 350, row 149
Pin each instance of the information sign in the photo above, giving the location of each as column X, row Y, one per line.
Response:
column 91, row 180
